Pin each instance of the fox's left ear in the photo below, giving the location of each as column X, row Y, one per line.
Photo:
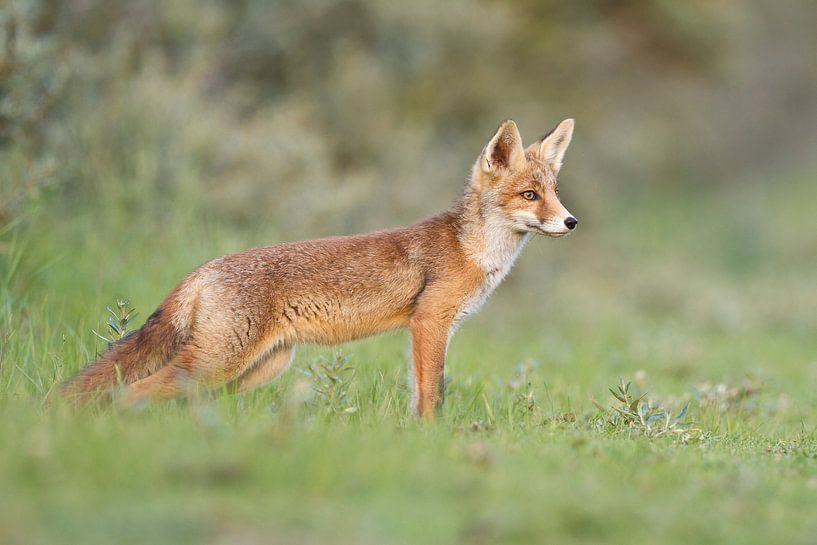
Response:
column 504, row 150
column 552, row 147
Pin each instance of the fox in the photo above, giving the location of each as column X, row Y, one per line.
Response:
column 235, row 321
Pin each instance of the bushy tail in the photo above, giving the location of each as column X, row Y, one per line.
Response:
column 135, row 356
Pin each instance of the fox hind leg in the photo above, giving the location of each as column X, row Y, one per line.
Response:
column 190, row 371
column 266, row 369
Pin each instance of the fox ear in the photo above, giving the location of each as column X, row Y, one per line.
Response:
column 504, row 150
column 552, row 147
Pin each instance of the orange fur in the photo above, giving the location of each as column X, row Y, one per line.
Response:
column 236, row 319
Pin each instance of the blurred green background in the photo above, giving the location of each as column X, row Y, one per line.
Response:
column 139, row 139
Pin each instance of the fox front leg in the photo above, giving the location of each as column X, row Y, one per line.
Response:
column 429, row 340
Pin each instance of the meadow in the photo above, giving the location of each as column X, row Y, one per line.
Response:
column 652, row 378
column 520, row 454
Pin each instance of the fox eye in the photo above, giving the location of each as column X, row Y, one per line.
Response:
column 530, row 195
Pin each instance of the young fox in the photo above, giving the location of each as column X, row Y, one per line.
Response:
column 236, row 320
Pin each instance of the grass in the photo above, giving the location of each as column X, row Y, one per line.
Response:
column 717, row 319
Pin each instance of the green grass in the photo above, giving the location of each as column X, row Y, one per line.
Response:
column 672, row 292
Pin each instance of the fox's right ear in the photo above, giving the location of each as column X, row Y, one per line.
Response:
column 552, row 147
column 504, row 150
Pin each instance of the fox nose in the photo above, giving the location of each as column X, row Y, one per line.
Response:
column 571, row 222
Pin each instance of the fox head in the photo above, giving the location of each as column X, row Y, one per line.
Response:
column 517, row 186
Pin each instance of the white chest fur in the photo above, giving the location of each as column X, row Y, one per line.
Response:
column 498, row 255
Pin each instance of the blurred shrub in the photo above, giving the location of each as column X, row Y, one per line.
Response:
column 30, row 86
column 343, row 115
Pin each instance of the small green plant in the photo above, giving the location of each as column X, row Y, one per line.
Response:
column 331, row 380
column 119, row 322
column 638, row 415
column 524, row 403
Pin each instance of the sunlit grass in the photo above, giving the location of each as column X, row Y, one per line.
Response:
column 520, row 451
